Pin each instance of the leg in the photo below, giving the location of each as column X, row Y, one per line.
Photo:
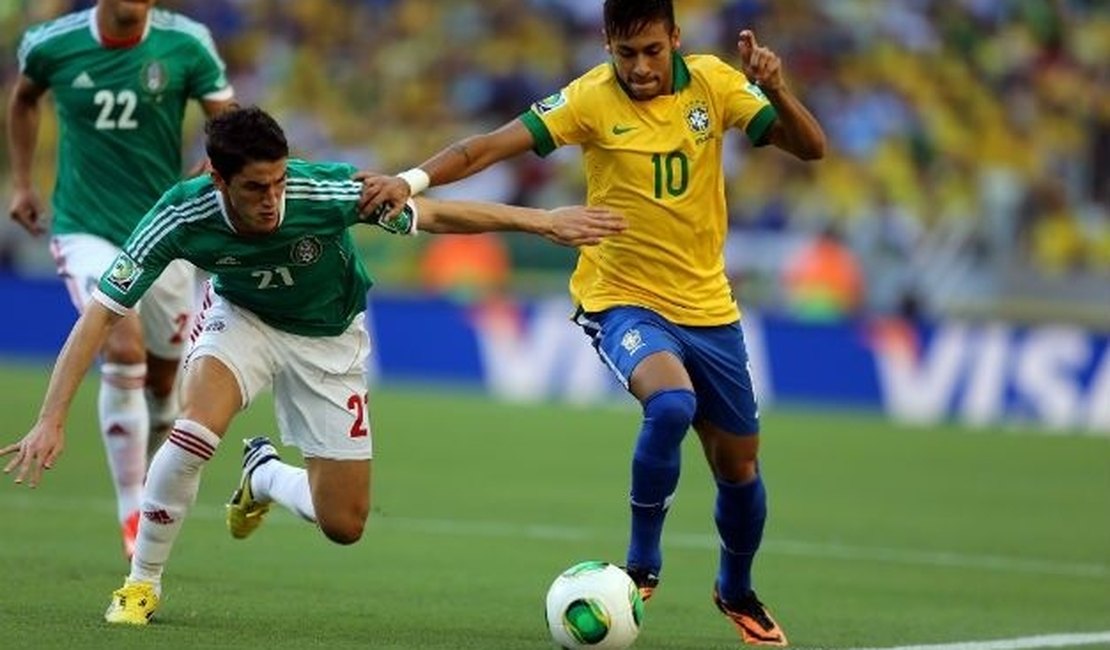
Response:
column 663, row 388
column 124, row 421
column 161, row 398
column 644, row 352
column 320, row 403
column 227, row 367
column 165, row 314
column 741, row 508
column 728, row 428
column 341, row 496
column 212, row 397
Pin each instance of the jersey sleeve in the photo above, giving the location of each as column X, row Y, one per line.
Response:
column 558, row 119
column 208, row 74
column 34, row 59
column 143, row 258
column 744, row 104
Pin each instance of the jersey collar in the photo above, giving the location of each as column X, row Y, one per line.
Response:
column 680, row 75
column 99, row 38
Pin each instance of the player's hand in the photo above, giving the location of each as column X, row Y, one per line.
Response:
column 26, row 210
column 583, row 226
column 378, row 189
column 758, row 63
column 38, row 450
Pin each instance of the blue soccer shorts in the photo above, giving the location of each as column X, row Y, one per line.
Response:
column 715, row 358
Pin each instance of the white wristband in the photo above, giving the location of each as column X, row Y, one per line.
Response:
column 417, row 179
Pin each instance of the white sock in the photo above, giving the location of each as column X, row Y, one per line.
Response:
column 285, row 484
column 124, row 428
column 171, row 490
column 163, row 412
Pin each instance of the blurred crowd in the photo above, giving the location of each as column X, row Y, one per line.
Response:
column 971, row 134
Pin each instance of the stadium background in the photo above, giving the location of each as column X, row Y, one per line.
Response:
column 948, row 260
column 964, row 209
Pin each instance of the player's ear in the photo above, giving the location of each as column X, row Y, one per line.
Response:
column 217, row 180
column 676, row 37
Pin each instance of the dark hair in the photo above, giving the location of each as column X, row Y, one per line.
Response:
column 625, row 18
column 238, row 136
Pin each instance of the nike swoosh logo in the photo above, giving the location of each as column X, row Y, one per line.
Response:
column 621, row 130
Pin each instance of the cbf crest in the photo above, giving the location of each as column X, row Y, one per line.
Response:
column 632, row 341
column 306, row 250
column 153, row 77
column 697, row 118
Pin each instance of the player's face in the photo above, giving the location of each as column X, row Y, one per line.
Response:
column 127, row 12
column 643, row 60
column 255, row 196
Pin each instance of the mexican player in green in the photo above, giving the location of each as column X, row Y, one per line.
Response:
column 121, row 74
column 655, row 300
column 287, row 312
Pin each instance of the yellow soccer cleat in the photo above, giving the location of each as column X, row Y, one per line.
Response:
column 132, row 604
column 244, row 513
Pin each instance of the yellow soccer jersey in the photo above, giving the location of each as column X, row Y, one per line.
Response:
column 658, row 162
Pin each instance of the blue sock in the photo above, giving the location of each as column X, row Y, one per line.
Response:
column 740, row 513
column 655, row 468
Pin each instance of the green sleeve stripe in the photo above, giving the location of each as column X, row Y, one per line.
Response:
column 759, row 127
column 544, row 143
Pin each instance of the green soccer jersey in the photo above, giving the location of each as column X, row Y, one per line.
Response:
column 120, row 112
column 305, row 277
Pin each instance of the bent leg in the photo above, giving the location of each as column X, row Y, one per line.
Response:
column 341, row 496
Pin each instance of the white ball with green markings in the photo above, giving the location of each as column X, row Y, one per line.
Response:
column 594, row 605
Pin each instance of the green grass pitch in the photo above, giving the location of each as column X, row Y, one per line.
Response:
column 879, row 535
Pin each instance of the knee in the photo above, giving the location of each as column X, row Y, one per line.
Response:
column 345, row 529
column 736, row 462
column 159, row 381
column 671, row 409
column 736, row 469
column 125, row 343
column 667, row 416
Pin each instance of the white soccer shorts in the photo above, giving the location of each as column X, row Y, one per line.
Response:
column 319, row 383
column 166, row 308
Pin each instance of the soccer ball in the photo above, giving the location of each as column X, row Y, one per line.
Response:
column 594, row 605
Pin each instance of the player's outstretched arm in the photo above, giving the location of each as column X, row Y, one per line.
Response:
column 456, row 162
column 40, row 448
column 24, row 113
column 568, row 226
column 795, row 130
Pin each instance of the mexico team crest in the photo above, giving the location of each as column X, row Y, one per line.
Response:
column 153, row 77
column 306, row 251
column 697, row 117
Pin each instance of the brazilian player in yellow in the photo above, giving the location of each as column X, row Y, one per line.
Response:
column 655, row 299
